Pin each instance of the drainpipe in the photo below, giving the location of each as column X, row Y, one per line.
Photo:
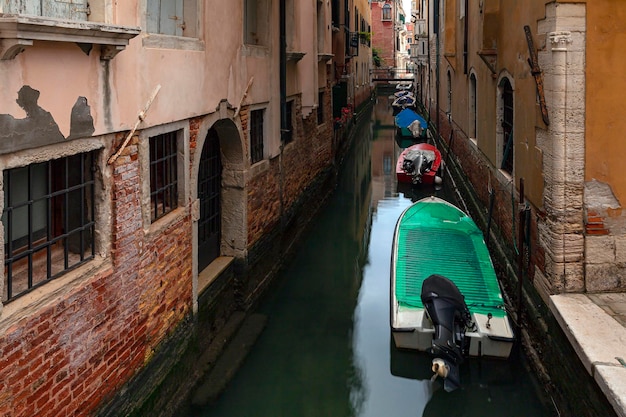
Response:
column 436, row 31
column 283, row 98
column 283, row 70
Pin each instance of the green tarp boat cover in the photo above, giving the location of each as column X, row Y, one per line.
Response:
column 438, row 238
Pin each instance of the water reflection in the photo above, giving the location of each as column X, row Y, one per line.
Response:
column 327, row 349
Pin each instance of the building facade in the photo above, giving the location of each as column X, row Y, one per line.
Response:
column 157, row 161
column 352, row 60
column 520, row 92
column 384, row 30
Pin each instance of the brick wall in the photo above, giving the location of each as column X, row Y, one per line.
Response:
column 66, row 359
column 289, row 174
column 383, row 35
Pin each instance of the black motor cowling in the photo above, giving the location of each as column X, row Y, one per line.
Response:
column 418, row 162
column 445, row 305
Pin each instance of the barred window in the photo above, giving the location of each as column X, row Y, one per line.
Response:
column 256, row 135
column 288, row 134
column 320, row 107
column 48, row 221
column 163, row 175
column 508, row 147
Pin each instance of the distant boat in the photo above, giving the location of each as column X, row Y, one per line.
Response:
column 404, row 85
column 410, row 124
column 419, row 164
column 445, row 298
column 403, row 102
column 402, row 93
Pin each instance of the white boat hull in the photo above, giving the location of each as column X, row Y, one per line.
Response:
column 412, row 329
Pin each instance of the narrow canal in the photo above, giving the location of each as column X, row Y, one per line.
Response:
column 327, row 349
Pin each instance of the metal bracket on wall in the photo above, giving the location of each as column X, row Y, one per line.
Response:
column 140, row 117
column 536, row 72
column 489, row 57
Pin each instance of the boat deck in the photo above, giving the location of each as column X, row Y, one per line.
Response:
column 446, row 243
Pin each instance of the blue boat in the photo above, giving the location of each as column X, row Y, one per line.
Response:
column 409, row 124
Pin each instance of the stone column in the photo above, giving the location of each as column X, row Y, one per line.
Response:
column 563, row 145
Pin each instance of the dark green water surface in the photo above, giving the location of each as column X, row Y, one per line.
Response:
column 326, row 350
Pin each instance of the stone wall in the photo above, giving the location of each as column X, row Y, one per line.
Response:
column 605, row 240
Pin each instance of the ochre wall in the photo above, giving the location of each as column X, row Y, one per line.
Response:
column 605, row 147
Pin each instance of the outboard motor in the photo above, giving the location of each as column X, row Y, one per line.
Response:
column 445, row 305
column 417, row 162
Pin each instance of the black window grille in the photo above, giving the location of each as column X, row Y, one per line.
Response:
column 48, row 221
column 163, row 175
column 507, row 127
column 288, row 134
column 256, row 135
column 320, row 107
column 335, row 12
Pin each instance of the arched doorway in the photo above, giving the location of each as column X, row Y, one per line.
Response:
column 209, row 187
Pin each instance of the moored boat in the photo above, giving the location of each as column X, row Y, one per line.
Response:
column 419, row 164
column 409, row 124
column 403, row 102
column 404, row 85
column 445, row 297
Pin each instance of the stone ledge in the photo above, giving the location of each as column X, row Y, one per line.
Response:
column 211, row 272
column 18, row 32
column 611, row 379
column 598, row 339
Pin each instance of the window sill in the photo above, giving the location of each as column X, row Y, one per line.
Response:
column 295, row 56
column 157, row 41
column 324, row 57
column 49, row 293
column 18, row 32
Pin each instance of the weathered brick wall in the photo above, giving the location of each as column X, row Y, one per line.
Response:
column 66, row 359
column 264, row 202
column 288, row 175
column 283, row 198
column 383, row 35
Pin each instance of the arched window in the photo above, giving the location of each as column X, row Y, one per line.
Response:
column 387, row 12
column 472, row 107
column 505, row 91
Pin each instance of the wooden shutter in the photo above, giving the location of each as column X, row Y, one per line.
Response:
column 65, row 9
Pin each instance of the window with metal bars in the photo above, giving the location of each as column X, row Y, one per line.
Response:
column 320, row 107
column 507, row 127
column 256, row 135
column 288, row 134
column 163, row 174
column 48, row 221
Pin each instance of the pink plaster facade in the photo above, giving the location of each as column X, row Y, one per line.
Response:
column 105, row 88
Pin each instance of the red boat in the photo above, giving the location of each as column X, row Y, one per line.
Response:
column 419, row 164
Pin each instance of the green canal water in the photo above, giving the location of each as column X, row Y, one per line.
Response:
column 327, row 349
